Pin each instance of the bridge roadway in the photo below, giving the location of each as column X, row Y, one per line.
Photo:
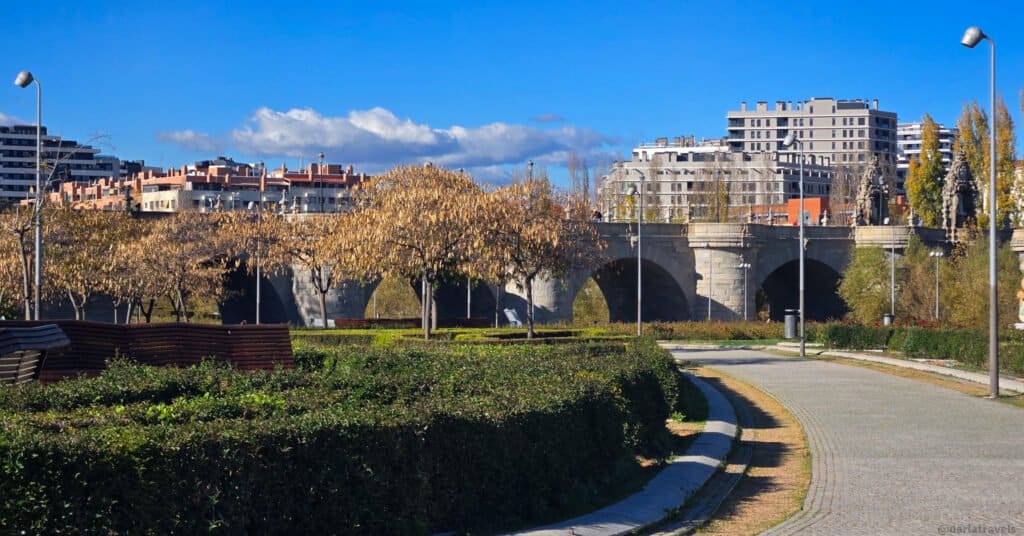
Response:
column 891, row 455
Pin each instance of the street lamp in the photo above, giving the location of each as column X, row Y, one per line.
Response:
column 937, row 255
column 892, row 269
column 529, row 170
column 632, row 190
column 971, row 38
column 788, row 142
column 320, row 176
column 23, row 79
column 744, row 266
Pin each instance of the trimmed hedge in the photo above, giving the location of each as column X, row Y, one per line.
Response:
column 966, row 346
column 379, row 441
column 705, row 331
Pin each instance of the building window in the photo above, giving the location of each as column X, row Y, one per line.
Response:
column 860, row 120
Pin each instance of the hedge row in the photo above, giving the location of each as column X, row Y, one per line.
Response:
column 381, row 441
column 966, row 346
column 705, row 331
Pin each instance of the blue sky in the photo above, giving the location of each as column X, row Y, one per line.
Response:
column 485, row 85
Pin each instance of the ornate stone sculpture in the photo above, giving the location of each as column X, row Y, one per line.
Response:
column 872, row 195
column 959, row 194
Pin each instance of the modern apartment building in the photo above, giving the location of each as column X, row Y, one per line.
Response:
column 682, row 179
column 18, row 161
column 834, row 132
column 908, row 147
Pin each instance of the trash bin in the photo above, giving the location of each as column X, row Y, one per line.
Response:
column 792, row 317
column 887, row 319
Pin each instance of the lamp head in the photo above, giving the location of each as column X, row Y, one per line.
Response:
column 789, row 140
column 24, row 79
column 972, row 37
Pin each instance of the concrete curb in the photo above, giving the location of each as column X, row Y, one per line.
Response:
column 1005, row 384
column 669, row 489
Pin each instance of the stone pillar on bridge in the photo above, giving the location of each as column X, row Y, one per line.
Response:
column 719, row 249
column 346, row 300
column 1017, row 246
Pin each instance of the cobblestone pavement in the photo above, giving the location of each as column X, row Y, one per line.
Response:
column 891, row 455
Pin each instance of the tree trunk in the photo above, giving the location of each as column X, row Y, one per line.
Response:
column 75, row 305
column 181, row 306
column 529, row 307
column 433, row 305
column 147, row 312
column 497, row 304
column 26, row 292
column 424, row 307
column 323, row 307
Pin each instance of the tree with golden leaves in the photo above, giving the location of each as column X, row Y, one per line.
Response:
column 260, row 238
column 925, row 176
column 420, row 222
column 185, row 256
column 10, row 270
column 324, row 246
column 79, row 247
column 973, row 138
column 533, row 233
column 16, row 226
column 136, row 284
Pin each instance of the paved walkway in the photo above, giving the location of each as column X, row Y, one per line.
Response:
column 1006, row 385
column 891, row 455
column 670, row 488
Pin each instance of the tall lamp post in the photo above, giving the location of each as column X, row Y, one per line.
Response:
column 937, row 255
column 892, row 269
column 971, row 38
column 23, row 79
column 788, row 142
column 633, row 190
column 259, row 237
column 320, row 175
column 744, row 266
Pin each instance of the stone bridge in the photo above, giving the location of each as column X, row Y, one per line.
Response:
column 690, row 272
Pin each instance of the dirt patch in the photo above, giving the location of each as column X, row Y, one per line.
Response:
column 779, row 473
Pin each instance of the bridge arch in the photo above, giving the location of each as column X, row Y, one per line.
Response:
column 664, row 298
column 240, row 304
column 781, row 289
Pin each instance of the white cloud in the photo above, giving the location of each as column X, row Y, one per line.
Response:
column 190, row 139
column 8, row 120
column 377, row 139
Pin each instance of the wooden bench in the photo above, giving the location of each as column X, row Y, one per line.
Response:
column 23, row 351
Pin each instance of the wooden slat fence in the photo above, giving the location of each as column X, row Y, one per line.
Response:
column 247, row 347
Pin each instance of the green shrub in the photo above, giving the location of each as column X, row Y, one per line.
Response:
column 856, row 336
column 386, row 440
column 704, row 331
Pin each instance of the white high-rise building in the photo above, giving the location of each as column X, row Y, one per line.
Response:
column 908, row 146
column 18, row 161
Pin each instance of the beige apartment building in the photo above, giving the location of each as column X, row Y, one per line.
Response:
column 684, row 179
column 834, row 132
